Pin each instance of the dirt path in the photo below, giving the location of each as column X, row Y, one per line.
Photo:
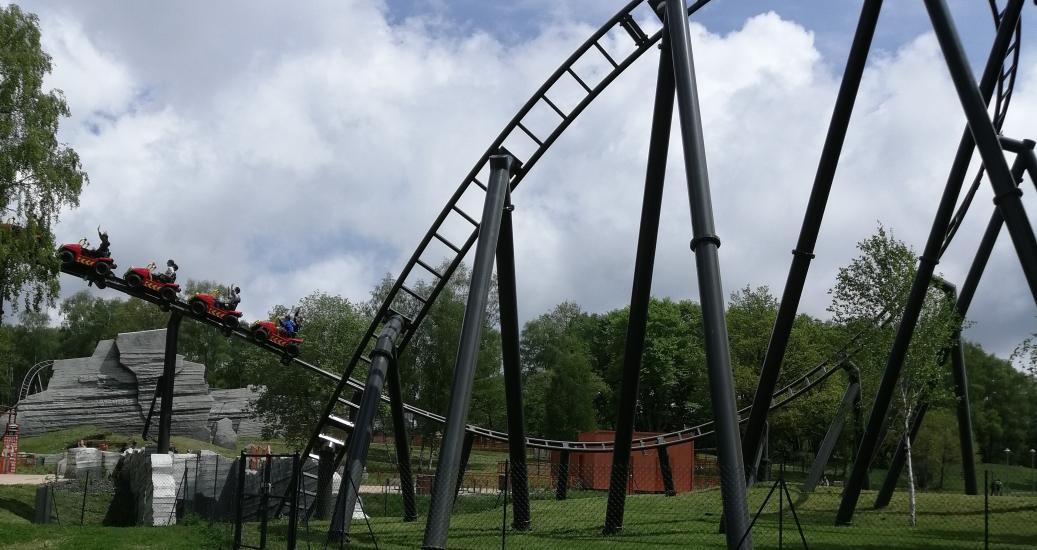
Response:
column 18, row 479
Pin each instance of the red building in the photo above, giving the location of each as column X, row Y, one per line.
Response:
column 593, row 470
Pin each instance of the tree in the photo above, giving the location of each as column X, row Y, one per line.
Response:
column 560, row 387
column 290, row 400
column 38, row 175
column 877, row 284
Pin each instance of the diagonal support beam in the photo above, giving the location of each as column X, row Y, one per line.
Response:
column 641, row 291
column 824, row 452
column 804, row 251
column 705, row 243
column 507, row 293
column 468, row 351
column 165, row 415
column 382, row 358
column 977, row 135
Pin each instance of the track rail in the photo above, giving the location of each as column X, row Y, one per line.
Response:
column 790, row 392
column 414, row 306
column 32, row 379
column 1002, row 99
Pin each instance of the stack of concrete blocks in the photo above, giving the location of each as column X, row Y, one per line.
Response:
column 110, row 459
column 84, row 461
column 163, row 490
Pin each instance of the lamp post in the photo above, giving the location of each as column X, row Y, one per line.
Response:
column 1008, row 453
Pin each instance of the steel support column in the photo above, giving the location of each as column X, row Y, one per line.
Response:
column 667, row 472
column 507, row 296
column 562, row 483
column 824, row 452
column 468, row 350
column 1007, row 196
column 896, row 464
column 1024, row 158
column 382, row 357
column 972, row 100
column 322, row 501
column 165, row 415
column 466, row 454
column 705, row 243
column 402, row 439
column 804, row 251
column 641, row 291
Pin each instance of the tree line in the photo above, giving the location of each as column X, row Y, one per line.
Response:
column 571, row 361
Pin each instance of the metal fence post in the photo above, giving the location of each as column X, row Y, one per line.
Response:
column 239, row 514
column 986, row 510
column 82, row 508
column 293, row 512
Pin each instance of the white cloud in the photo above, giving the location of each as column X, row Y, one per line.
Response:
column 316, row 156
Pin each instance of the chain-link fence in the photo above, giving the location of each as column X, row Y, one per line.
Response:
column 566, row 504
column 570, row 510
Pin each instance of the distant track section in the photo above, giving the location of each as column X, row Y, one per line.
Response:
column 783, row 396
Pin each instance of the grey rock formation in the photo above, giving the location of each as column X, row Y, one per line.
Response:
column 225, row 435
column 234, row 404
column 113, row 389
column 143, row 354
column 93, row 390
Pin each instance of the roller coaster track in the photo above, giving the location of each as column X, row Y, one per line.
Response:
column 1002, row 99
column 32, row 382
column 783, row 396
column 413, row 306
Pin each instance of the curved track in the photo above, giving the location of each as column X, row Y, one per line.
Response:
column 32, row 382
column 783, row 396
column 413, row 306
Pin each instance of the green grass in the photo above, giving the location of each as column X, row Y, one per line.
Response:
column 59, row 441
column 946, row 521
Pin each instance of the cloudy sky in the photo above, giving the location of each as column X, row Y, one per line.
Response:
column 296, row 147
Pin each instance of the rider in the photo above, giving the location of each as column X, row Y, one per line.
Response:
column 104, row 249
column 170, row 274
column 231, row 299
column 288, row 325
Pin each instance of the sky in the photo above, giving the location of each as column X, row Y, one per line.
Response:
column 290, row 148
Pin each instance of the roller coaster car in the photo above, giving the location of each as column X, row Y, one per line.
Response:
column 268, row 331
column 206, row 304
column 138, row 277
column 96, row 268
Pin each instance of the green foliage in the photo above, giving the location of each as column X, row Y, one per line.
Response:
column 38, row 175
column 1004, row 405
column 875, row 285
column 290, row 401
column 560, row 386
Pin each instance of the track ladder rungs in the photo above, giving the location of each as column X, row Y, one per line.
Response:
column 633, row 29
column 464, row 215
column 407, row 318
column 554, row 107
column 429, row 268
column 529, row 133
column 414, row 293
column 578, row 79
column 606, row 54
column 340, row 422
column 332, row 440
column 449, row 244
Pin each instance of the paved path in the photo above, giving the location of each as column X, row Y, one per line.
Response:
column 18, row 479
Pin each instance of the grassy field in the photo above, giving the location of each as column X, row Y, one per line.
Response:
column 56, row 442
column 689, row 520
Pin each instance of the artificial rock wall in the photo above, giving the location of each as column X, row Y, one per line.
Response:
column 114, row 387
